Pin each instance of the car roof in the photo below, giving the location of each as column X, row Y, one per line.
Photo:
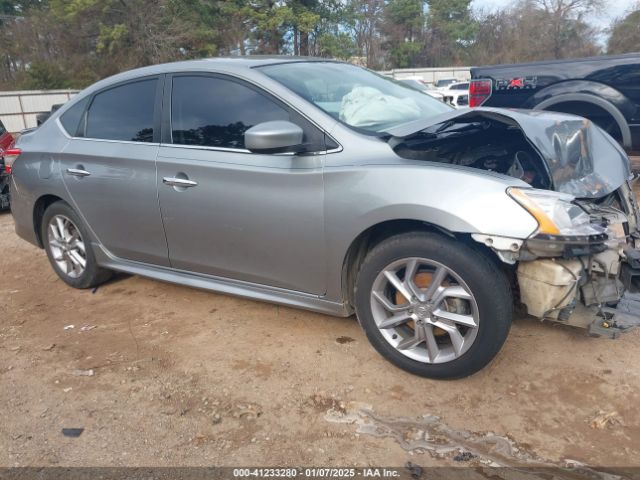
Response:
column 216, row 64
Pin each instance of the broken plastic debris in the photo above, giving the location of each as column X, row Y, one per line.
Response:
column 83, row 373
column 72, row 432
column 69, row 327
column 603, row 420
column 464, row 457
column 414, row 470
column 86, row 328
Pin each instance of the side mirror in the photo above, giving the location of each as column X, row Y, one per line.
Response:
column 278, row 136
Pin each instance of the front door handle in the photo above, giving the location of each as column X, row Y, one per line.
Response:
column 179, row 182
column 77, row 172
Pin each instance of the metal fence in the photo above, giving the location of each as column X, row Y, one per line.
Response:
column 18, row 110
column 430, row 75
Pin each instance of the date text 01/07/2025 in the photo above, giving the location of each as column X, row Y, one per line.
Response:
column 316, row 472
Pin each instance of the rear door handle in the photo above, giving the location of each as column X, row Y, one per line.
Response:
column 179, row 182
column 77, row 172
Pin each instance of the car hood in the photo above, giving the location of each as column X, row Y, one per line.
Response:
column 582, row 159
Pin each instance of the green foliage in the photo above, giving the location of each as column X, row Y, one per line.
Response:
column 405, row 54
column 72, row 43
column 43, row 76
column 19, row 7
column 625, row 34
column 111, row 37
column 535, row 30
column 408, row 13
column 340, row 45
column 452, row 29
column 404, row 30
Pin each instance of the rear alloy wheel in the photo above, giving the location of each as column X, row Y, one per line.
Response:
column 433, row 306
column 68, row 248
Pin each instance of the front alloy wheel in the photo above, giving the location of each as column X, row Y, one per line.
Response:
column 432, row 305
column 424, row 310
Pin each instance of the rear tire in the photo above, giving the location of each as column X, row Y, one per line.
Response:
column 68, row 246
column 460, row 311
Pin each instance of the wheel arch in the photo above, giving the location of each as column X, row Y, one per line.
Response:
column 597, row 101
column 378, row 232
column 40, row 206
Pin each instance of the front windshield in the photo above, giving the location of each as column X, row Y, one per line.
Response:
column 354, row 95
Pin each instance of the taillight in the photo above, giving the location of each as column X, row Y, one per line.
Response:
column 10, row 155
column 479, row 91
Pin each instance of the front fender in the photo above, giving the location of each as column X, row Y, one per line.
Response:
column 453, row 198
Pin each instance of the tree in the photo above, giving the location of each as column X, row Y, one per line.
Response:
column 527, row 31
column 564, row 26
column 304, row 18
column 363, row 19
column 625, row 34
column 54, row 43
column 403, row 27
column 452, row 29
column 19, row 7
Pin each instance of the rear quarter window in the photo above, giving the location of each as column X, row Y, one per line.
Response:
column 70, row 119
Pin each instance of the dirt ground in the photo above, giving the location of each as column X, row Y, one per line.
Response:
column 185, row 377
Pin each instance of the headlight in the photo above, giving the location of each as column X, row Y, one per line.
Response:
column 555, row 213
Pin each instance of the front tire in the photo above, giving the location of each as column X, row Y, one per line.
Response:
column 432, row 305
column 68, row 247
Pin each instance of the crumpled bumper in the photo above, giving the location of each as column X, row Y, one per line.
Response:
column 592, row 283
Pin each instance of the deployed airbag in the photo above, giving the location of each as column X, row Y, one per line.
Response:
column 365, row 107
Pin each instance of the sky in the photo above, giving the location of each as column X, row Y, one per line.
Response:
column 611, row 10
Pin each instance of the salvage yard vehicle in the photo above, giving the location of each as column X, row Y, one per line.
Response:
column 322, row 185
column 43, row 116
column 603, row 89
column 457, row 94
column 419, row 85
column 6, row 141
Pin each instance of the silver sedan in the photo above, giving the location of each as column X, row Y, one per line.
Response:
column 322, row 185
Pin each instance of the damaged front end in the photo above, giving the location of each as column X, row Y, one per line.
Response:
column 581, row 267
column 588, row 279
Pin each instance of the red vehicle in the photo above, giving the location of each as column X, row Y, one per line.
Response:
column 6, row 139
column 6, row 142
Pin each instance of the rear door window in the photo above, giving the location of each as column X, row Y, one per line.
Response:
column 125, row 112
column 216, row 112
